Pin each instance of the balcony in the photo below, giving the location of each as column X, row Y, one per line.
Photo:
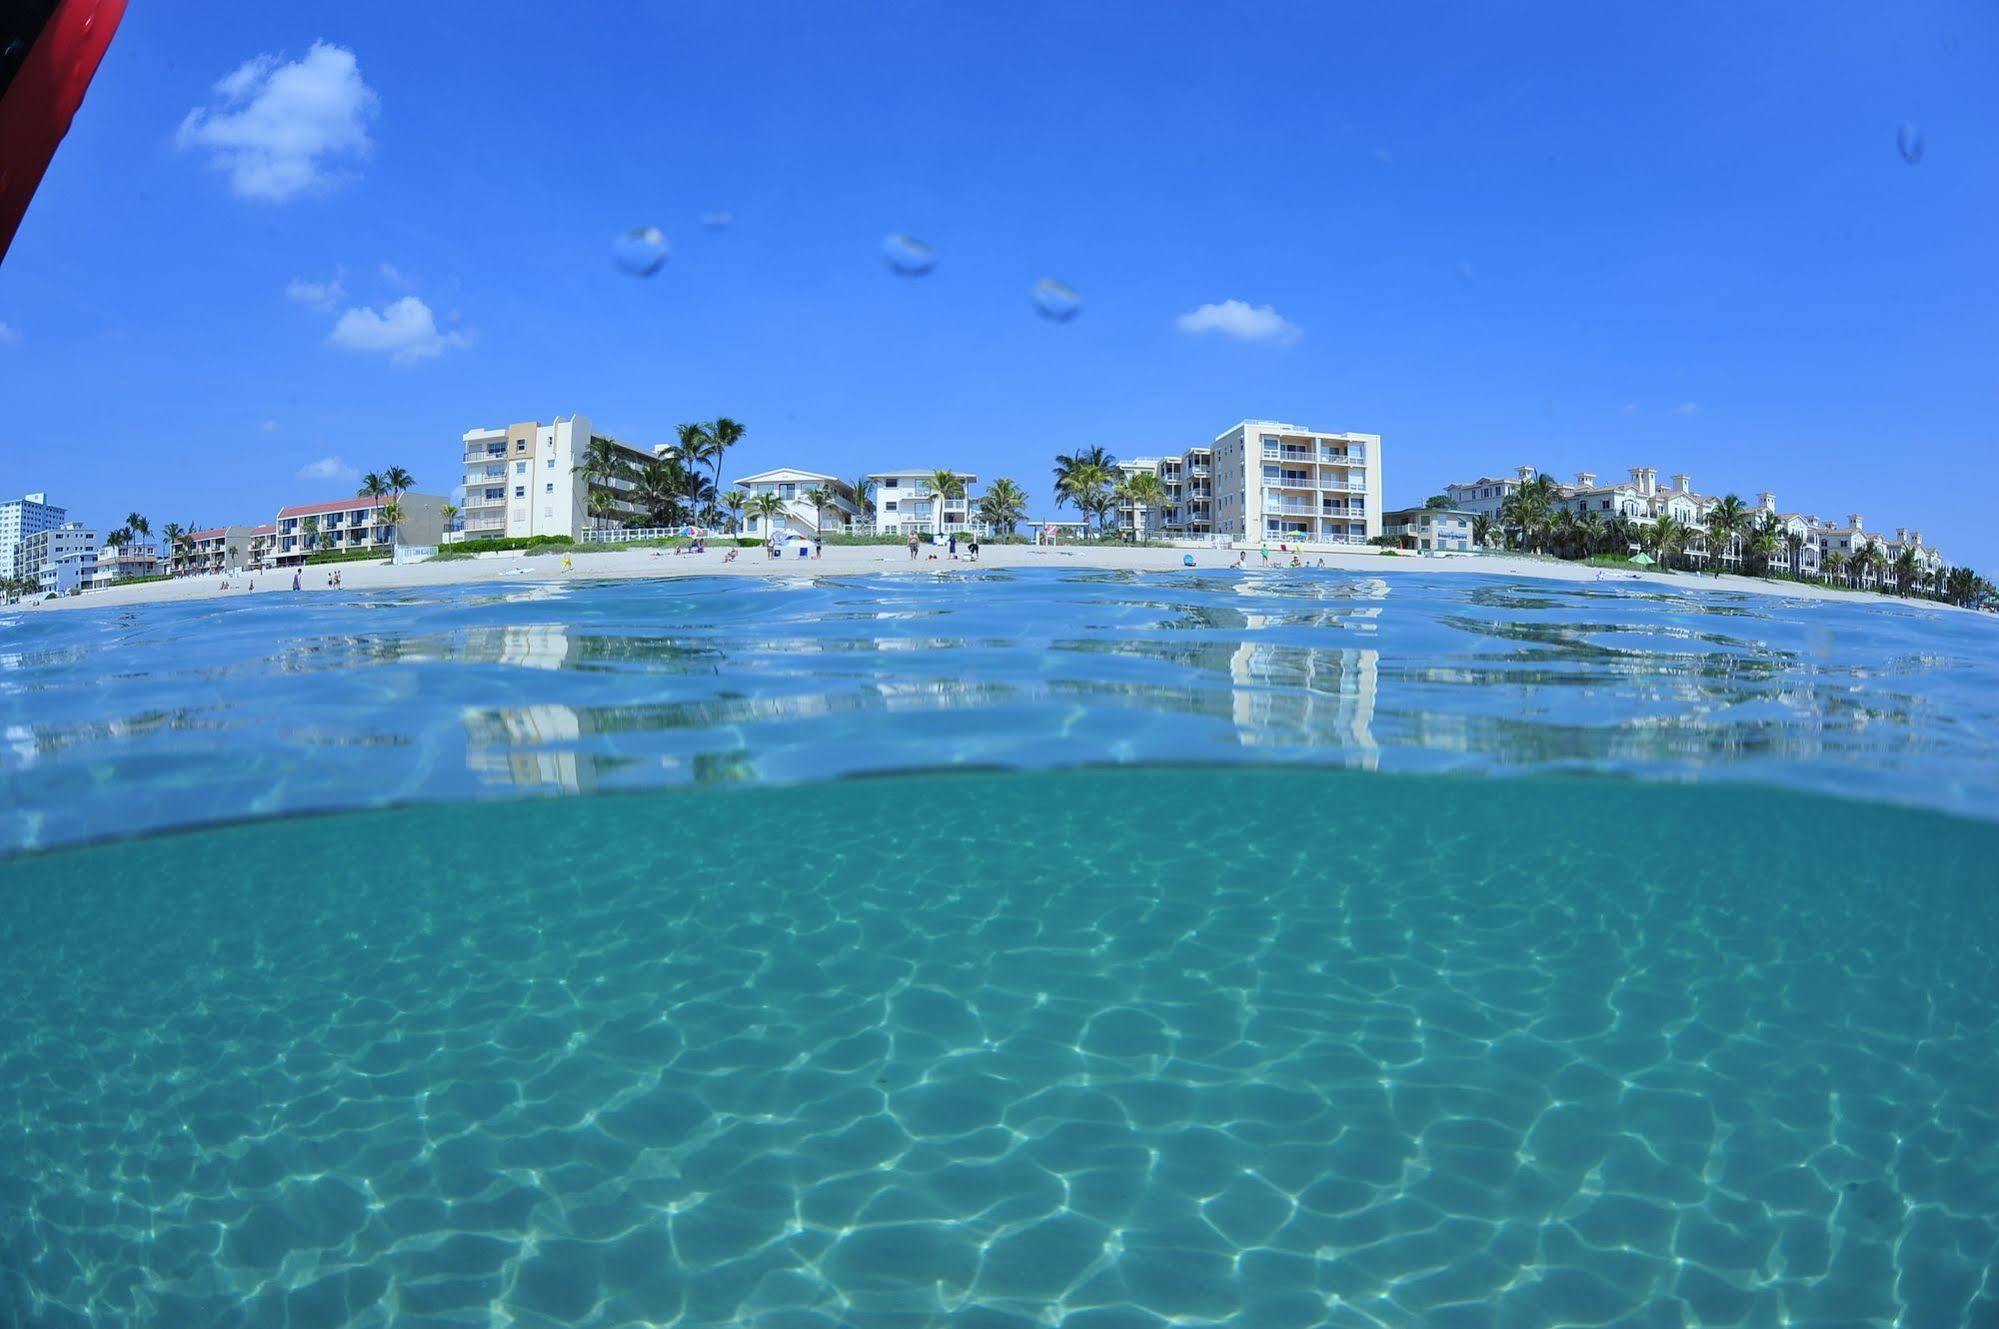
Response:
column 1342, row 458
column 1289, row 508
column 1288, row 454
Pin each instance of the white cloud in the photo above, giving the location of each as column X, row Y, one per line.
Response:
column 1234, row 318
column 405, row 331
column 8, row 336
column 324, row 296
column 1686, row 408
column 329, row 468
column 277, row 125
column 394, row 277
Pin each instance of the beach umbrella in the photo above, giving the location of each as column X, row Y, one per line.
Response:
column 1643, row 560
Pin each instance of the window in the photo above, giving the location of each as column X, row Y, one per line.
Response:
column 548, row 488
column 520, row 468
column 787, row 491
column 890, row 483
column 551, row 463
column 520, row 491
column 889, row 506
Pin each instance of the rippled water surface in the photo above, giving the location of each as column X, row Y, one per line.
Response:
column 116, row 722
column 1265, row 1019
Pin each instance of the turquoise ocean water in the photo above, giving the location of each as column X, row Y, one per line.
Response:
column 1104, row 951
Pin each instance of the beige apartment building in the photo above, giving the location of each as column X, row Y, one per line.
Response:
column 1267, row 480
column 524, row 480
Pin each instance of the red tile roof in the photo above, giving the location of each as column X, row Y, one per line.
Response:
column 263, row 530
column 337, row 505
column 207, row 535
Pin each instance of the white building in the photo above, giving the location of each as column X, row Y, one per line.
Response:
column 523, row 480
column 1430, row 529
column 21, row 518
column 1267, row 480
column 791, row 485
column 116, row 563
column 907, row 501
column 217, row 549
column 59, row 558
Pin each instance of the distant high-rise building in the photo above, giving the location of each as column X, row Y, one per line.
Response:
column 21, row 518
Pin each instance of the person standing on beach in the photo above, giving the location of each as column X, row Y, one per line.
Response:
column 951, row 545
column 818, row 545
column 912, row 544
column 298, row 578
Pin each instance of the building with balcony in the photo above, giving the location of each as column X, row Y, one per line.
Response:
column 116, row 563
column 19, row 519
column 907, row 501
column 528, row 479
column 60, row 559
column 346, row 525
column 842, row 515
column 1804, row 547
column 1266, row 480
column 1430, row 529
column 216, row 550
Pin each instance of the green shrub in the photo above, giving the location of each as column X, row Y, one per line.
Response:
column 346, row 555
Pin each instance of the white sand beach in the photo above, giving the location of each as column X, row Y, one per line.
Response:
column 890, row 560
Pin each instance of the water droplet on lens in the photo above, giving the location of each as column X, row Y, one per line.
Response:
column 1056, row 301
column 908, row 255
column 641, row 251
column 716, row 221
column 1909, row 142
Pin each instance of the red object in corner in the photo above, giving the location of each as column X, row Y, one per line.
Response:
column 41, row 100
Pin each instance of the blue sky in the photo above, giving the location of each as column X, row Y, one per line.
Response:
column 1582, row 237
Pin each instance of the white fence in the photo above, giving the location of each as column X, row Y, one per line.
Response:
column 621, row 536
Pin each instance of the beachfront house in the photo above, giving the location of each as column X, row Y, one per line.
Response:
column 1264, row 479
column 1430, row 529
column 907, row 501
column 841, row 515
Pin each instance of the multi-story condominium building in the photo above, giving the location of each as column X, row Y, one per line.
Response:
column 21, row 518
column 263, row 551
column 1482, row 497
column 1265, row 480
column 217, row 549
column 842, row 513
column 907, row 501
column 342, row 525
column 1430, row 529
column 525, row 480
column 58, row 558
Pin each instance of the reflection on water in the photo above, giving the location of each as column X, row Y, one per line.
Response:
column 139, row 719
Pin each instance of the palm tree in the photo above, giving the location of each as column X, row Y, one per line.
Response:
column 732, row 502
column 664, row 484
column 1832, row 565
column 398, row 480
column 388, row 516
column 173, row 534
column 766, row 505
column 944, row 484
column 864, row 495
column 137, row 524
column 603, row 462
column 1908, row 570
column 309, row 527
column 724, row 433
column 1528, row 511
column 697, row 447
column 1794, row 544
column 450, row 514
column 1080, row 475
column 1003, row 505
column 821, row 498
column 1667, row 536
column 1141, row 491
column 1725, row 522
column 1619, row 535
column 1562, row 530
column 1481, row 531
column 1868, row 560
column 372, row 486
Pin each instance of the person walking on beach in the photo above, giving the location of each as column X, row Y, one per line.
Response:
column 818, row 545
column 912, row 544
column 298, row 578
column 951, row 545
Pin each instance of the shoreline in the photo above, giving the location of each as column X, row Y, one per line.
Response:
column 644, row 564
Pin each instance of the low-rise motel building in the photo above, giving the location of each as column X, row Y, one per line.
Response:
column 531, row 479
column 1807, row 540
column 350, row 525
column 907, row 502
column 842, row 513
column 1266, row 480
